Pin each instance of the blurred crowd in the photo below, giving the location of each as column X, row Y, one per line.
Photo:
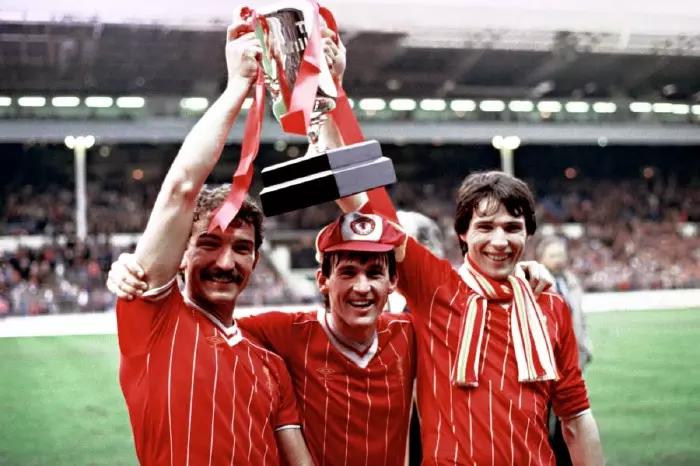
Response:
column 56, row 278
column 51, row 210
column 70, row 277
column 633, row 237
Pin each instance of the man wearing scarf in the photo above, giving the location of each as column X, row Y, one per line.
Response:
column 491, row 355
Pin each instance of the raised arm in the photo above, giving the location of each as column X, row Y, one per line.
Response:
column 335, row 55
column 160, row 249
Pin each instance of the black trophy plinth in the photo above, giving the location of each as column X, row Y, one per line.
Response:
column 336, row 173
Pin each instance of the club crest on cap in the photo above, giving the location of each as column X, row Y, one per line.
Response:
column 362, row 225
column 359, row 232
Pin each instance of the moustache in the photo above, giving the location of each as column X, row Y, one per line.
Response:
column 232, row 275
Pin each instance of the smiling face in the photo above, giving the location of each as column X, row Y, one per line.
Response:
column 495, row 238
column 218, row 265
column 357, row 287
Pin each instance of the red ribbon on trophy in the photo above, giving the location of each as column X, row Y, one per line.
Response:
column 296, row 120
column 240, row 183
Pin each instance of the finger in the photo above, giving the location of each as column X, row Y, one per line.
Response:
column 129, row 290
column 247, row 39
column 133, row 282
column 238, row 30
column 134, row 268
column 114, row 288
column 250, row 47
column 254, row 52
column 328, row 33
column 121, row 273
column 111, row 286
column 330, row 58
column 248, row 36
column 329, row 45
column 541, row 286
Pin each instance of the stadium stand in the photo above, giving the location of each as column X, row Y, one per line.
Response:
column 630, row 228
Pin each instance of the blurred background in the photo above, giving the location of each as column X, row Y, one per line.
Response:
column 595, row 104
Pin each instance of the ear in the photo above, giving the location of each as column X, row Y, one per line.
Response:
column 321, row 281
column 183, row 263
column 393, row 281
column 463, row 236
column 257, row 258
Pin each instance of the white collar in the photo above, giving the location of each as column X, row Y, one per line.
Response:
column 344, row 346
column 232, row 334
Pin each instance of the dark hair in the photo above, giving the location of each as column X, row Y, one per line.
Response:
column 331, row 259
column 499, row 187
column 211, row 197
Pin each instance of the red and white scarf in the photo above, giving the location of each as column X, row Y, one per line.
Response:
column 531, row 343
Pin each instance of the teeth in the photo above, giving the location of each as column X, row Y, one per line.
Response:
column 221, row 280
column 360, row 303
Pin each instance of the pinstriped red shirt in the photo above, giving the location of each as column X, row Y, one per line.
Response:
column 501, row 421
column 199, row 393
column 355, row 409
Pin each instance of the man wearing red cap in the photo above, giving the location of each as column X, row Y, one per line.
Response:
column 352, row 365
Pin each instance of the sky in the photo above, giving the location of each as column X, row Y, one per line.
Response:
column 634, row 16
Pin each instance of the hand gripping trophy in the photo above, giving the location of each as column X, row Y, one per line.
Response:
column 304, row 95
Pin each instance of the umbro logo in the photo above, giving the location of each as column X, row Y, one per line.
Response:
column 216, row 340
column 326, row 372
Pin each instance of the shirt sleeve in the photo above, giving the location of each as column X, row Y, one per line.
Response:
column 420, row 274
column 287, row 411
column 271, row 330
column 569, row 397
column 140, row 321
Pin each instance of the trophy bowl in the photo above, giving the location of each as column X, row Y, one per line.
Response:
column 283, row 30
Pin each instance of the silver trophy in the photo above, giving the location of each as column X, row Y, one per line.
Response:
column 323, row 175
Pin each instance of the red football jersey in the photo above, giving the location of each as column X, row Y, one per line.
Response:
column 501, row 421
column 199, row 393
column 355, row 409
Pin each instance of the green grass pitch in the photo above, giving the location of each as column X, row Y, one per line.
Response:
column 60, row 402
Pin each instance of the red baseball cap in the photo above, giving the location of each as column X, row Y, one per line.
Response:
column 360, row 232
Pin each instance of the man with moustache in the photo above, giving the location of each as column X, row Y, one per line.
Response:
column 197, row 391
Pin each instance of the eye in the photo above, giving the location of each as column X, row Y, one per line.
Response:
column 514, row 228
column 484, row 227
column 209, row 245
column 346, row 272
column 243, row 248
column 375, row 273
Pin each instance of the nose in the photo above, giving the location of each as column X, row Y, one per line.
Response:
column 499, row 238
column 226, row 260
column 361, row 284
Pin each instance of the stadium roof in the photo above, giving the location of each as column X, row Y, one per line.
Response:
column 632, row 16
column 409, row 48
